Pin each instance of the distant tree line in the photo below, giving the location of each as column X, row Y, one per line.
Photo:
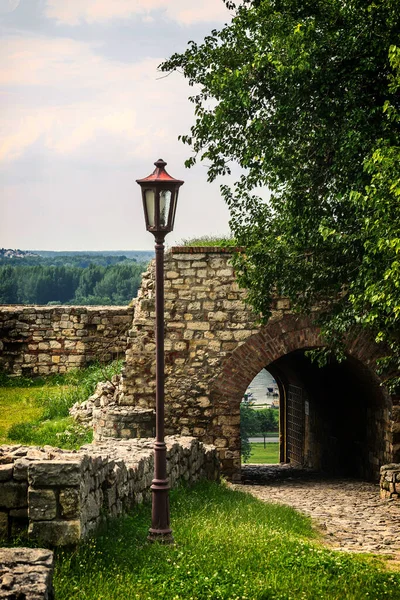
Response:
column 57, row 259
column 255, row 422
column 109, row 284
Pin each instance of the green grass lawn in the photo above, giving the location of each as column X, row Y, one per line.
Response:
column 260, row 455
column 17, row 405
column 229, row 546
column 36, row 411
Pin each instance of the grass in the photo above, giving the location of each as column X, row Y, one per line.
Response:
column 260, row 455
column 229, row 546
column 210, row 240
column 36, row 411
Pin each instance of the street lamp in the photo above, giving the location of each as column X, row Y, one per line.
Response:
column 160, row 196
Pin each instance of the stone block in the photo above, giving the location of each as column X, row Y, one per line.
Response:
column 42, row 504
column 203, row 401
column 198, row 325
column 21, row 469
column 220, row 443
column 55, row 533
column 70, row 503
column 3, row 525
column 217, row 316
column 44, row 346
column 47, row 473
column 241, row 335
column 19, row 513
column 26, row 574
column 13, row 495
column 6, row 472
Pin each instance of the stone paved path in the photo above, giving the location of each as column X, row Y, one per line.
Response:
column 349, row 513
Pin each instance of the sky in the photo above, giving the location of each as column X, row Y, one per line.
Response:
column 84, row 112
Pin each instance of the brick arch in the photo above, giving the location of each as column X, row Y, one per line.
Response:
column 273, row 341
column 214, row 347
column 277, row 339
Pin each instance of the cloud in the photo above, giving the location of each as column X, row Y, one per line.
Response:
column 73, row 12
column 8, row 6
column 82, row 98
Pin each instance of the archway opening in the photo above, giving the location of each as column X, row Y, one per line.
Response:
column 260, row 421
column 333, row 417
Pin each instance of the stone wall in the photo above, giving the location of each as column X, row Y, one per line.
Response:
column 38, row 340
column 215, row 346
column 205, row 319
column 390, row 481
column 61, row 496
column 26, row 574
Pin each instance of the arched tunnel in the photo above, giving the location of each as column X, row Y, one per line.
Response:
column 332, row 418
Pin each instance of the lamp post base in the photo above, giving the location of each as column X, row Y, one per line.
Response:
column 160, row 530
column 160, row 537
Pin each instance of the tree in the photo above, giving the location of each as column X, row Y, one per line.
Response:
column 267, row 420
column 304, row 97
column 248, row 425
column 8, row 286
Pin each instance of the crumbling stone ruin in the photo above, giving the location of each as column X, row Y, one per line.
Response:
column 59, row 497
column 214, row 347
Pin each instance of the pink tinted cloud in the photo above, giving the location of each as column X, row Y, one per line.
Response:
column 72, row 12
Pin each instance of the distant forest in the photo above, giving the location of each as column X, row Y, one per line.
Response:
column 72, row 278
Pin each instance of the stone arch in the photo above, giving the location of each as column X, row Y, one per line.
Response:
column 267, row 348
column 214, row 346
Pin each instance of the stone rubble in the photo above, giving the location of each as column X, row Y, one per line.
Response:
column 26, row 574
column 105, row 393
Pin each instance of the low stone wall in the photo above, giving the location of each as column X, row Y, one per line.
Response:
column 38, row 340
column 62, row 496
column 26, row 574
column 390, row 481
column 123, row 422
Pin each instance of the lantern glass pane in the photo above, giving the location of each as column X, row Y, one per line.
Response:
column 165, row 202
column 150, row 207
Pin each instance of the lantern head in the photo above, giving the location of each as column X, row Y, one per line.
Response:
column 160, row 196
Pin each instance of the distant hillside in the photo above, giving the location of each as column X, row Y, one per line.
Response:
column 84, row 278
column 139, row 255
column 15, row 253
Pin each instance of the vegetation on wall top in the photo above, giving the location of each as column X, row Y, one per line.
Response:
column 305, row 97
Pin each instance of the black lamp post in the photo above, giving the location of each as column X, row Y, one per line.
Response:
column 160, row 196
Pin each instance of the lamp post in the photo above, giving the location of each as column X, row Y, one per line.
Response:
column 160, row 196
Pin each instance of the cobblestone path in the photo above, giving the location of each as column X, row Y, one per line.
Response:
column 349, row 513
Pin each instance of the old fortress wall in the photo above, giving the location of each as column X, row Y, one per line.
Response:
column 39, row 340
column 214, row 346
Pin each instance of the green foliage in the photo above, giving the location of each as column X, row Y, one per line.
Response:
column 210, row 240
column 38, row 410
column 228, row 546
column 268, row 420
column 305, row 98
column 88, row 284
column 255, row 422
column 248, row 425
column 60, row 433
